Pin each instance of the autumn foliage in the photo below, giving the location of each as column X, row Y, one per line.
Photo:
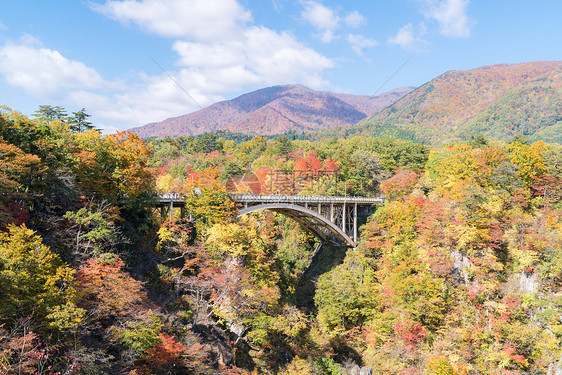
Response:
column 106, row 288
column 458, row 272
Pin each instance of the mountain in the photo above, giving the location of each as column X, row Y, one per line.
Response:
column 499, row 101
column 275, row 110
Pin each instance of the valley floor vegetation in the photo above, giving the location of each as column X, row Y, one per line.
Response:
column 459, row 272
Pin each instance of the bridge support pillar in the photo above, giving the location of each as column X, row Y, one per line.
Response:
column 355, row 223
column 344, row 218
column 325, row 217
column 171, row 209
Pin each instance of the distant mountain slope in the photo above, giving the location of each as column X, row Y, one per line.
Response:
column 500, row 101
column 275, row 110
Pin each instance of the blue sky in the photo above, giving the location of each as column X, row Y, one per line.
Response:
column 133, row 62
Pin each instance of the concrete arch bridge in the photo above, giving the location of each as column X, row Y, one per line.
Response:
column 332, row 219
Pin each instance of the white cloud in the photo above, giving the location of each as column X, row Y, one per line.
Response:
column 407, row 39
column 46, row 73
column 320, row 16
column 277, row 5
column 354, row 19
column 359, row 42
column 327, row 36
column 218, row 49
column 281, row 58
column 153, row 99
column 202, row 20
column 30, row 40
column 327, row 21
column 451, row 16
column 50, row 77
column 197, row 54
column 260, row 56
column 404, row 38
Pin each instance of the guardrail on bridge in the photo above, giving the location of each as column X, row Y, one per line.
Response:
column 313, row 199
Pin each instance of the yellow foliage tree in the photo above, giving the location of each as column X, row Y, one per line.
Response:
column 34, row 282
column 529, row 160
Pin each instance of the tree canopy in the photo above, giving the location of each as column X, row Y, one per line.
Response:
column 458, row 272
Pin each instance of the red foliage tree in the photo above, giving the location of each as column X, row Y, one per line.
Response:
column 330, row 166
column 400, row 184
column 106, row 288
column 164, row 356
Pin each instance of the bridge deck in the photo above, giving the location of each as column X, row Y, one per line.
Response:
column 300, row 199
column 179, row 200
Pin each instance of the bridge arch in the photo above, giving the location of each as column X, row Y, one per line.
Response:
column 306, row 217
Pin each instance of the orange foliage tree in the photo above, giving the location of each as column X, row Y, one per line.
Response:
column 106, row 288
column 400, row 184
column 113, row 167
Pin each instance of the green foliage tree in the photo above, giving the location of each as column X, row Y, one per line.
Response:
column 553, row 161
column 519, row 138
column 347, row 296
column 50, row 113
column 206, row 143
column 479, row 140
column 282, row 146
column 92, row 230
column 32, row 137
column 505, row 176
column 231, row 169
column 79, row 121
column 142, row 335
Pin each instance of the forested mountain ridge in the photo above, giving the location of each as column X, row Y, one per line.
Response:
column 275, row 110
column 499, row 101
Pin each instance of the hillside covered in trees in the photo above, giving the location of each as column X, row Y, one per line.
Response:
column 275, row 110
column 499, row 101
column 459, row 272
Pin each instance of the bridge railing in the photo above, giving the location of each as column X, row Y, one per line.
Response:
column 282, row 198
column 170, row 196
column 272, row 198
